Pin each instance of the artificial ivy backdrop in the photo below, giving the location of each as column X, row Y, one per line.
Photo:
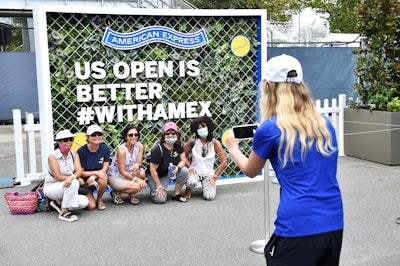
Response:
column 228, row 81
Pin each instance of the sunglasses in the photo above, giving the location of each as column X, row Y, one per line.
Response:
column 170, row 133
column 133, row 134
column 95, row 134
column 204, row 150
column 68, row 139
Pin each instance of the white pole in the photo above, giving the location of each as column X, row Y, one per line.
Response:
column 342, row 105
column 19, row 151
column 258, row 246
column 31, row 144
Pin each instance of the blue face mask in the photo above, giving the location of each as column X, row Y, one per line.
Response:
column 202, row 132
column 171, row 140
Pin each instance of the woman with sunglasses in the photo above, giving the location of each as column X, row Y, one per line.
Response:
column 169, row 151
column 203, row 149
column 62, row 182
column 126, row 173
column 95, row 159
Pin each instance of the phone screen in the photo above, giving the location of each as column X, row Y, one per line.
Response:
column 245, row 131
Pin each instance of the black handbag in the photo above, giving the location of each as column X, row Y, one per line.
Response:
column 84, row 190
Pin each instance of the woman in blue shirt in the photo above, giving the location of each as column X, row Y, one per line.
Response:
column 301, row 145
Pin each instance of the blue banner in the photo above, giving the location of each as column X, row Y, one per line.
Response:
column 134, row 40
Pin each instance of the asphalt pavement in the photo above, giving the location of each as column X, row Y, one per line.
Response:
column 198, row 232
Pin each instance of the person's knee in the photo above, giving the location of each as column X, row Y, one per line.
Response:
column 75, row 183
column 91, row 206
column 159, row 199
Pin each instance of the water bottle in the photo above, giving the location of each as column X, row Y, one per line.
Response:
column 171, row 168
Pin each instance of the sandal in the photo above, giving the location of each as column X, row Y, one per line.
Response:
column 134, row 200
column 179, row 198
column 67, row 216
column 117, row 198
column 56, row 205
column 101, row 205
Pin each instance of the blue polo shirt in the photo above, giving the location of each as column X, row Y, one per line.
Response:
column 310, row 201
column 93, row 161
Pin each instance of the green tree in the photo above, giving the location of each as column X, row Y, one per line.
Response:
column 342, row 13
column 378, row 67
column 278, row 10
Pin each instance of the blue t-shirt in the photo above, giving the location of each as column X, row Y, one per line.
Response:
column 310, row 201
column 93, row 161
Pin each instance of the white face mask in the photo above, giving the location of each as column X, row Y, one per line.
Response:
column 171, row 140
column 202, row 132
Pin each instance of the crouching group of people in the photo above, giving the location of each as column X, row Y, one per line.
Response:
column 75, row 176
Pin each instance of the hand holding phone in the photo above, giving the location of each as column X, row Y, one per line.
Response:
column 244, row 131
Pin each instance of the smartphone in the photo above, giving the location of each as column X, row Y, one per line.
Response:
column 244, row 131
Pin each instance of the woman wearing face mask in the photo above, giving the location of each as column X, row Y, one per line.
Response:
column 169, row 151
column 203, row 149
column 62, row 182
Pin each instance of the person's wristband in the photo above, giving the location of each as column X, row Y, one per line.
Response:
column 133, row 180
column 159, row 187
column 215, row 177
column 191, row 167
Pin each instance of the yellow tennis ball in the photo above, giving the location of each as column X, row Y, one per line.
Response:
column 240, row 46
column 225, row 135
column 80, row 139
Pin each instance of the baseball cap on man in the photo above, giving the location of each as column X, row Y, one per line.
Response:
column 92, row 129
column 169, row 126
column 63, row 134
column 278, row 67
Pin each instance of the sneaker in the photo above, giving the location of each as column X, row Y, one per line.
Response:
column 56, row 206
column 397, row 220
column 67, row 216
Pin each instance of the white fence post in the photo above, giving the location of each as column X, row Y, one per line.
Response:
column 30, row 140
column 342, row 105
column 335, row 112
column 19, row 151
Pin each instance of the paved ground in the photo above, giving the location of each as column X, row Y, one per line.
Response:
column 198, row 232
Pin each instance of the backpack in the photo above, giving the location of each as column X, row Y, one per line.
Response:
column 158, row 143
column 43, row 200
column 147, row 157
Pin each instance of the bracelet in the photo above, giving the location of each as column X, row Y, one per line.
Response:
column 215, row 176
column 133, row 180
column 159, row 187
column 191, row 167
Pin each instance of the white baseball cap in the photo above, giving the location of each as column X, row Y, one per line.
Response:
column 278, row 67
column 63, row 134
column 92, row 129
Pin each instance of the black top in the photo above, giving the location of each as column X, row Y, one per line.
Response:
column 165, row 157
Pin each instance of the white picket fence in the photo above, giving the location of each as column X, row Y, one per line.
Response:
column 333, row 109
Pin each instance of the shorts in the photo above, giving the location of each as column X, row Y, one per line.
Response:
column 320, row 250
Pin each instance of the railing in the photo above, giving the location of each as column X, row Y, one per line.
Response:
column 335, row 111
column 30, row 128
